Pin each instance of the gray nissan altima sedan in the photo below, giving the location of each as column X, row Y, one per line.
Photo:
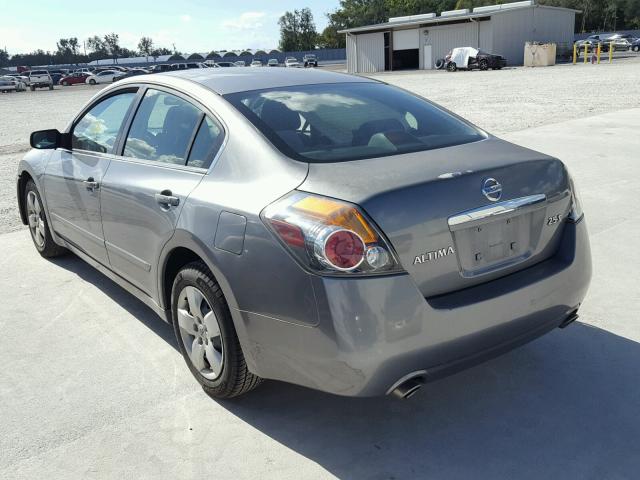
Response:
column 317, row 228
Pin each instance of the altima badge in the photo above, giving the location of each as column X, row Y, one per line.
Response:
column 435, row 255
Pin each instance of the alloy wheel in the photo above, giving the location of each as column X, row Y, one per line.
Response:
column 36, row 222
column 200, row 332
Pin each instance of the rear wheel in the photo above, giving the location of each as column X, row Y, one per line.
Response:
column 206, row 335
column 636, row 48
column 38, row 225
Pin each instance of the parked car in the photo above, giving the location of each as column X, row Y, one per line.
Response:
column 227, row 64
column 162, row 67
column 620, row 42
column 86, row 70
column 56, row 75
column 23, row 78
column 635, row 45
column 11, row 84
column 134, row 72
column 256, row 63
column 191, row 65
column 277, row 244
column 105, row 76
column 40, row 79
column 591, row 42
column 470, row 58
column 273, row 62
column 291, row 62
column 74, row 78
column 240, row 63
column 310, row 60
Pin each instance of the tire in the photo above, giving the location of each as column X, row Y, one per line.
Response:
column 92, row 82
column 439, row 64
column 636, row 48
column 65, row 84
column 483, row 65
column 38, row 224
column 50, row 87
column 33, row 88
column 452, row 67
column 197, row 295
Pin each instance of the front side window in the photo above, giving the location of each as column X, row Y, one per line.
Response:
column 98, row 129
column 162, row 128
column 349, row 121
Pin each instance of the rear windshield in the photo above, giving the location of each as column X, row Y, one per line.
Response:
column 350, row 121
column 39, row 72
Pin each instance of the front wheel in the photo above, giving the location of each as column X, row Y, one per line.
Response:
column 92, row 82
column 206, row 335
column 483, row 65
column 38, row 225
column 452, row 67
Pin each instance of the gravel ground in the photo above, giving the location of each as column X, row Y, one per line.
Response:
column 498, row 101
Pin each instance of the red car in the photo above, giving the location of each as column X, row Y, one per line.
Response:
column 73, row 78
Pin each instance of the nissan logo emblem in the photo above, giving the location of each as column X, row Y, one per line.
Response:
column 492, row 189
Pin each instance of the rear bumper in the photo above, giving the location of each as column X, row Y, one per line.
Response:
column 375, row 331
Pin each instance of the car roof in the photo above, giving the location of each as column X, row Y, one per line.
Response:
column 234, row 80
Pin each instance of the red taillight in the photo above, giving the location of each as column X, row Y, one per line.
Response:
column 343, row 250
column 329, row 236
column 291, row 234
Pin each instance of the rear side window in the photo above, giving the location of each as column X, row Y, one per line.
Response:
column 350, row 121
column 98, row 129
column 162, row 129
column 206, row 144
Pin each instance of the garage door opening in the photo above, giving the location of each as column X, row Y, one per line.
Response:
column 406, row 59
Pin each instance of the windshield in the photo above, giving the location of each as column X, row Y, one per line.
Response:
column 349, row 121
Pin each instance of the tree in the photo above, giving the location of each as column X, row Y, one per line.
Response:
column 297, row 31
column 4, row 58
column 112, row 44
column 145, row 45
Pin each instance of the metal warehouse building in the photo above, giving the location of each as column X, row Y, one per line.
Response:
column 417, row 41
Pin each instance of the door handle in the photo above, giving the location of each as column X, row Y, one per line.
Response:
column 166, row 199
column 91, row 184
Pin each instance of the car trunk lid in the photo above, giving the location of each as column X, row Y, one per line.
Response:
column 446, row 232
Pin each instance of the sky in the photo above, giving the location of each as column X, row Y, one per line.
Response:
column 192, row 25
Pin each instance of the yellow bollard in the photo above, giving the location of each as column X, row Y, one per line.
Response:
column 575, row 53
column 585, row 53
column 610, row 52
column 598, row 54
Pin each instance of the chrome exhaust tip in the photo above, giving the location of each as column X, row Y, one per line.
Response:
column 407, row 389
column 408, row 385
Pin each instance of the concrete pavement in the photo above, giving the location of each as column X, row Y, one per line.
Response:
column 92, row 384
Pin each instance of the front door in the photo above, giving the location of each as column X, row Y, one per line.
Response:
column 166, row 152
column 73, row 177
column 427, row 57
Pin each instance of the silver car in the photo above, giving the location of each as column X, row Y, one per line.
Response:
column 317, row 228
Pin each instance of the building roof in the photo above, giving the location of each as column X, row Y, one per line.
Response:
column 233, row 80
column 453, row 16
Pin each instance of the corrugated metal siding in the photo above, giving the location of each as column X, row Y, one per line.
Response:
column 446, row 37
column 370, row 52
column 352, row 55
column 551, row 25
column 511, row 30
column 486, row 35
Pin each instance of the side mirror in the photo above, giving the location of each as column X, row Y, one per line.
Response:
column 49, row 139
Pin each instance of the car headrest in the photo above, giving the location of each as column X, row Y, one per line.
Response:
column 279, row 117
column 181, row 117
column 362, row 135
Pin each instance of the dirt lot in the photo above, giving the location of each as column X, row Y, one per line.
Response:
column 498, row 101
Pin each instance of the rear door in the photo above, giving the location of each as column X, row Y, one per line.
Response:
column 73, row 178
column 169, row 146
